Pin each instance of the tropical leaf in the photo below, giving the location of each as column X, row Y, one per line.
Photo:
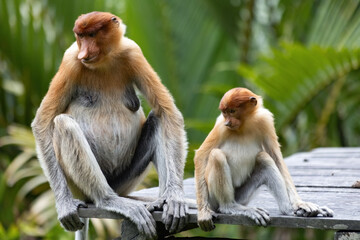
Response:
column 293, row 75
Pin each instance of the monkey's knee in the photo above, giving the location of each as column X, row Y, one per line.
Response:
column 217, row 165
column 64, row 122
column 218, row 178
column 217, row 158
column 263, row 159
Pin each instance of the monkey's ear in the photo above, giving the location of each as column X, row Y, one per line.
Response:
column 253, row 100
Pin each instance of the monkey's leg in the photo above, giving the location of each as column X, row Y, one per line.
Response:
column 143, row 155
column 265, row 172
column 79, row 164
column 221, row 189
column 168, row 150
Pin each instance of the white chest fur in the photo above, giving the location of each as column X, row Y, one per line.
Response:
column 240, row 153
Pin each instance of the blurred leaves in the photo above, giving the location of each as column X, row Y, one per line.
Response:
column 304, row 82
column 300, row 73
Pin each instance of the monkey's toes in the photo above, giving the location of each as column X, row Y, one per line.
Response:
column 326, row 212
column 71, row 222
column 260, row 216
column 206, row 225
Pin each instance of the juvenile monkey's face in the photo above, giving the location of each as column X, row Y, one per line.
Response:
column 232, row 118
column 236, row 106
column 97, row 34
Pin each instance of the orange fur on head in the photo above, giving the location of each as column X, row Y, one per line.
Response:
column 92, row 22
column 237, row 106
column 97, row 35
column 235, row 97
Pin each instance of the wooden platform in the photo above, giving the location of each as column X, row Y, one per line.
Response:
column 326, row 176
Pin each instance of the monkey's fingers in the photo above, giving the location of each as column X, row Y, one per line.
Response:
column 156, row 205
column 263, row 211
column 168, row 214
column 184, row 209
column 326, row 212
column 205, row 220
column 76, row 222
column 261, row 217
column 141, row 222
column 307, row 209
column 206, row 225
column 176, row 217
column 71, row 222
column 150, row 225
column 299, row 212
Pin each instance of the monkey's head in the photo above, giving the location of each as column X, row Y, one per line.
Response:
column 237, row 105
column 97, row 34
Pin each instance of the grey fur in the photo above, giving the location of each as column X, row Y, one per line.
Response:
column 76, row 152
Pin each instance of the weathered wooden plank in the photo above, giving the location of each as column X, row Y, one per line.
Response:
column 345, row 235
column 336, row 223
column 329, row 150
column 323, row 176
column 324, row 172
column 323, row 163
column 320, row 181
column 344, row 203
column 189, row 188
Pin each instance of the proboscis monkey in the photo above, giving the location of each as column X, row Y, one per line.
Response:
column 93, row 139
column 240, row 154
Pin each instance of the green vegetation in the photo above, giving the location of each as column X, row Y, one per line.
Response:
column 302, row 56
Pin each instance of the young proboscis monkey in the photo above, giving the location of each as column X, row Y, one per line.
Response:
column 240, row 154
column 93, row 140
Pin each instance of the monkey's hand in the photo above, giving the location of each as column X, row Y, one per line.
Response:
column 133, row 210
column 308, row 209
column 68, row 215
column 258, row 215
column 205, row 221
column 175, row 211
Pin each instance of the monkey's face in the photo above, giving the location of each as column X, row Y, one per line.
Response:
column 236, row 106
column 89, row 50
column 97, row 35
column 233, row 118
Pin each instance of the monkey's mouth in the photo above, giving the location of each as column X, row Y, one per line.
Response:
column 233, row 127
column 89, row 60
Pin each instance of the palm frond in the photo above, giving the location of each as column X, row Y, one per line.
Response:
column 295, row 74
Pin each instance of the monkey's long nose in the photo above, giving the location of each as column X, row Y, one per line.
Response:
column 83, row 54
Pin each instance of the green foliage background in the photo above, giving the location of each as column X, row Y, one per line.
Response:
column 302, row 56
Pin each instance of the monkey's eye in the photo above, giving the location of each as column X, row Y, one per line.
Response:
column 231, row 111
column 80, row 35
column 92, row 34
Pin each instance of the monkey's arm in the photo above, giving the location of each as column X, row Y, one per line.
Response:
column 300, row 208
column 171, row 143
column 205, row 213
column 272, row 147
column 54, row 103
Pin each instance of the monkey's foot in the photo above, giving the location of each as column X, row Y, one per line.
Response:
column 175, row 211
column 205, row 221
column 68, row 215
column 130, row 231
column 259, row 215
column 308, row 209
column 134, row 211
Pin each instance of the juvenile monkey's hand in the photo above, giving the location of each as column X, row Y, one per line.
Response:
column 175, row 211
column 68, row 215
column 205, row 221
column 308, row 209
